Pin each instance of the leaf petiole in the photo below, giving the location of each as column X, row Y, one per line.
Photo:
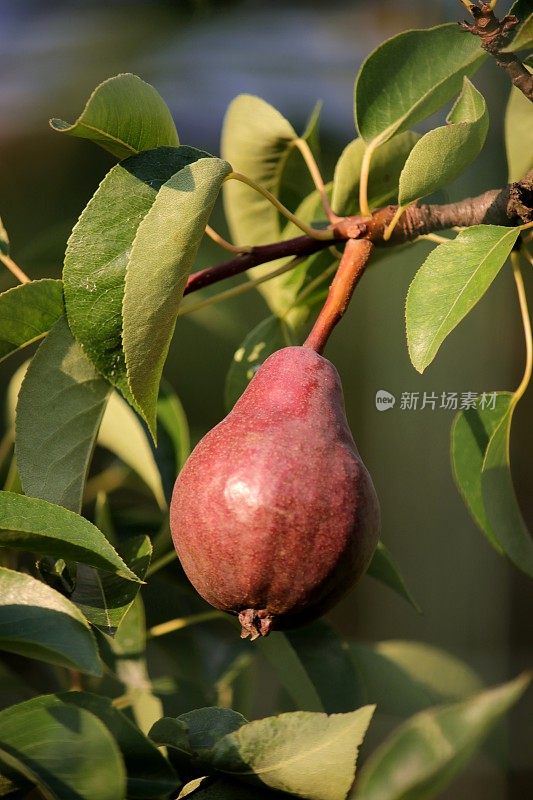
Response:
column 218, row 239
column 316, row 176
column 14, row 268
column 315, row 233
column 522, row 299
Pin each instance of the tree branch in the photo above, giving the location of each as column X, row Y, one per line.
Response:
column 262, row 254
column 494, row 36
column 512, row 205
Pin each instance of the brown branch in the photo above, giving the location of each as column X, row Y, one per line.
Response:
column 512, row 205
column 262, row 254
column 352, row 265
column 494, row 36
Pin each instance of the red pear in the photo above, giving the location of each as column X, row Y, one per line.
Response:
column 274, row 516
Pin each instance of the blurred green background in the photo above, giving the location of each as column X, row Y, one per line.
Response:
column 199, row 55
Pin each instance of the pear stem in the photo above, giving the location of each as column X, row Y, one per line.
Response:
column 352, row 265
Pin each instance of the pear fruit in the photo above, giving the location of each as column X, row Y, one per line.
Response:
column 274, row 516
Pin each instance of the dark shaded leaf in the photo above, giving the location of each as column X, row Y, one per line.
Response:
column 38, row 622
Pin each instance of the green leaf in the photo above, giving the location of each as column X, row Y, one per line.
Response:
column 38, row 622
column 385, row 169
column 125, row 116
column 173, row 438
column 448, row 285
column 383, row 568
column 404, row 677
column 286, row 288
column 291, row 673
column 310, row 755
column 519, row 134
column 323, row 655
column 27, row 312
column 256, row 140
column 396, row 87
column 148, row 772
column 4, row 240
column 499, row 498
column 422, row 756
column 122, row 432
column 105, row 597
column 56, row 429
column 31, row 524
column 66, row 751
column 444, row 153
column 197, row 732
column 470, row 435
column 163, row 252
column 311, row 132
column 99, row 248
column 128, row 659
column 223, row 789
column 270, row 335
column 523, row 38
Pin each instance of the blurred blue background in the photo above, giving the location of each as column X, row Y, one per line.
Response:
column 199, row 55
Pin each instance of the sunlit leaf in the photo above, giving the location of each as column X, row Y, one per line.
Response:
column 453, row 278
column 422, row 756
column 310, row 132
column 27, row 312
column 173, row 438
column 310, row 755
column 519, row 134
column 444, row 153
column 56, row 429
column 410, row 76
column 38, row 526
column 256, row 140
column 65, row 750
column 99, row 248
column 38, row 622
column 471, row 431
column 161, row 257
column 124, row 115
column 122, row 432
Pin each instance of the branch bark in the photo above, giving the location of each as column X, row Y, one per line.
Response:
column 494, row 36
column 512, row 205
